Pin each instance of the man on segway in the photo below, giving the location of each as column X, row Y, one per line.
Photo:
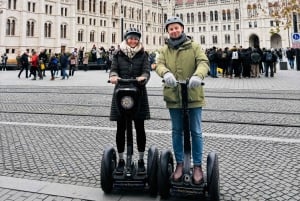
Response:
column 183, row 59
column 131, row 62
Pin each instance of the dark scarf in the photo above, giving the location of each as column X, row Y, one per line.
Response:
column 177, row 42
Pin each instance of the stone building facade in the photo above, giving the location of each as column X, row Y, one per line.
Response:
column 58, row 25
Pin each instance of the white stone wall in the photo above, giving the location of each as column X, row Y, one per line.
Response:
column 149, row 28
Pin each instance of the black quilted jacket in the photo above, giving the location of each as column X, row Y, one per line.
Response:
column 127, row 68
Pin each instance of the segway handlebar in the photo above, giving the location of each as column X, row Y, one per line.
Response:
column 130, row 80
column 184, row 82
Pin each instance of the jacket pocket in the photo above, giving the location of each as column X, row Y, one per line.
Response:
column 195, row 94
column 171, row 94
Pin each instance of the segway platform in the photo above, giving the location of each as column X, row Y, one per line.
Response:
column 127, row 95
column 209, row 187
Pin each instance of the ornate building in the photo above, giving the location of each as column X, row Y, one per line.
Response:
column 58, row 25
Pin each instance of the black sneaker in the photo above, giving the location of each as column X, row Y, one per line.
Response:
column 121, row 165
column 141, row 167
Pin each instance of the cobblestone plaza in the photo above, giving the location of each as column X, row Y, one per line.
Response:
column 52, row 134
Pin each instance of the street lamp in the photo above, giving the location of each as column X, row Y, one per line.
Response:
column 122, row 20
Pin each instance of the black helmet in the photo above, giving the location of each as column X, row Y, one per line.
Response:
column 172, row 20
column 132, row 31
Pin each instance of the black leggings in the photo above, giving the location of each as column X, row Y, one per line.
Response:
column 140, row 135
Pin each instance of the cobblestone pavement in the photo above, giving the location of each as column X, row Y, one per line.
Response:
column 52, row 135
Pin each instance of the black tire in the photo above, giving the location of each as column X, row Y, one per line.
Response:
column 108, row 164
column 152, row 164
column 165, row 169
column 213, row 182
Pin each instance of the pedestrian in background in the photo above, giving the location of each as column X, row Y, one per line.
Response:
column 44, row 57
column 73, row 62
column 24, row 64
column 64, row 60
column 4, row 58
column 94, row 53
column 53, row 65
column 34, row 64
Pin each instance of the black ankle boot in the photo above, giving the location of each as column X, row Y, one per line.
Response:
column 121, row 165
column 141, row 166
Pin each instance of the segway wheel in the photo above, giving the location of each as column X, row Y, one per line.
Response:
column 165, row 169
column 108, row 164
column 213, row 182
column 152, row 164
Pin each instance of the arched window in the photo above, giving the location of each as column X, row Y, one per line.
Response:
column 192, row 18
column 104, row 8
column 30, row 28
column 227, row 38
column 237, row 14
column 202, row 39
column 188, row 20
column 92, row 36
column 228, row 15
column 224, row 15
column 63, row 31
column 12, row 6
column 199, row 16
column 204, row 16
column 80, row 36
column 113, row 37
column 102, row 37
column 216, row 16
column 10, row 27
column 215, row 39
column 211, row 16
column 47, row 30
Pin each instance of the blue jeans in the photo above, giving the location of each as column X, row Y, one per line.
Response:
column 291, row 62
column 63, row 72
column 213, row 69
column 196, row 133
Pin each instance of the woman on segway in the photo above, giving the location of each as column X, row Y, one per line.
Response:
column 182, row 59
column 130, row 62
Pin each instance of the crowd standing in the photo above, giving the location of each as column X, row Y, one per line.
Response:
column 34, row 65
column 247, row 62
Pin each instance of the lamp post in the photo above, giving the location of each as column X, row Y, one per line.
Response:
column 122, row 21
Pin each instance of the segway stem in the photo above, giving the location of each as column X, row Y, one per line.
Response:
column 129, row 143
column 186, row 127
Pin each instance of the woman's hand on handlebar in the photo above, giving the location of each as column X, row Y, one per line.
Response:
column 141, row 80
column 114, row 79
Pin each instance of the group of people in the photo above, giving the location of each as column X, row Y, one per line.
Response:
column 247, row 63
column 179, row 59
column 35, row 64
column 103, row 57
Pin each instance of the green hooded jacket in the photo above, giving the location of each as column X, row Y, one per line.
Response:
column 184, row 62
